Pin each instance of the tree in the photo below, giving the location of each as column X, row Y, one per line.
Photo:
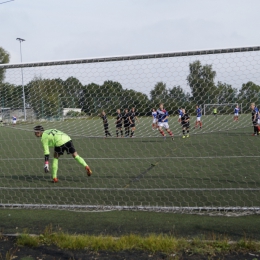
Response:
column 139, row 100
column 88, row 98
column 159, row 93
column 8, row 98
column 4, row 58
column 177, row 98
column 201, row 82
column 45, row 97
column 249, row 93
column 225, row 93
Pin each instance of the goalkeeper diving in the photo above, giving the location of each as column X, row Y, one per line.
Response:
column 61, row 142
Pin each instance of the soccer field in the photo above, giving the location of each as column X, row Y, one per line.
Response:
column 218, row 166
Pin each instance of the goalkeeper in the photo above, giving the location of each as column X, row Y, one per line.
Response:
column 61, row 142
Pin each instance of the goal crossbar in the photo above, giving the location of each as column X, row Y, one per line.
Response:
column 131, row 57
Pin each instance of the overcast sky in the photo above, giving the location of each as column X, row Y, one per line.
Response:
column 71, row 29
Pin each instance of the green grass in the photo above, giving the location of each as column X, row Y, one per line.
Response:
column 211, row 168
column 151, row 243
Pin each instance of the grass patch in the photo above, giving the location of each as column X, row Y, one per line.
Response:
column 151, row 243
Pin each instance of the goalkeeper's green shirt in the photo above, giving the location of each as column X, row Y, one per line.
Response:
column 53, row 138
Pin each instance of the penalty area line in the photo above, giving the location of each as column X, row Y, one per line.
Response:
column 130, row 189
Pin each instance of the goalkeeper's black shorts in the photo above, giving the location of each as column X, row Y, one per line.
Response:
column 255, row 123
column 68, row 147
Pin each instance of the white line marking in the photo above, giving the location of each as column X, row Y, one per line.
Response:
column 130, row 189
column 144, row 158
column 150, row 208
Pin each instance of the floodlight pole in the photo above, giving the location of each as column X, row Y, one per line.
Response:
column 24, row 108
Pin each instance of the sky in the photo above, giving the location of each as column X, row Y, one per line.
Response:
column 74, row 29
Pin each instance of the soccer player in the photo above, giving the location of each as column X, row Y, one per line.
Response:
column 105, row 123
column 258, row 122
column 132, row 117
column 255, row 117
column 61, row 142
column 163, row 116
column 198, row 119
column 180, row 114
column 236, row 111
column 185, row 122
column 14, row 120
column 215, row 111
column 126, row 122
column 154, row 116
column 119, row 120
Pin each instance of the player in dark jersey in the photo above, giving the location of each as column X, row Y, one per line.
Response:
column 118, row 122
column 126, row 122
column 105, row 123
column 255, row 117
column 185, row 122
column 132, row 117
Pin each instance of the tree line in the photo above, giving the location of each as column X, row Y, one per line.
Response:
column 48, row 97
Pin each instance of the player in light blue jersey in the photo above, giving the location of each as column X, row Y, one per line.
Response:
column 162, row 116
column 236, row 112
column 198, row 119
column 154, row 116
column 180, row 114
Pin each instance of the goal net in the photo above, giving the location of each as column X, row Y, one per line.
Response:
column 221, row 109
column 214, row 168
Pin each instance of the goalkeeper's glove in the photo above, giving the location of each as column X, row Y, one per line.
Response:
column 46, row 167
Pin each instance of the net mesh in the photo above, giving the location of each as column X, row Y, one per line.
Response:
column 212, row 170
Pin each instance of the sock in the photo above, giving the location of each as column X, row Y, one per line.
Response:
column 80, row 160
column 258, row 128
column 122, row 133
column 170, row 133
column 188, row 131
column 183, row 132
column 200, row 124
column 255, row 129
column 106, row 132
column 196, row 124
column 132, row 133
column 116, row 133
column 162, row 133
column 54, row 167
column 126, row 133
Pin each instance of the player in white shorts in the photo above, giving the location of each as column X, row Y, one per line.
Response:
column 163, row 116
column 236, row 112
column 154, row 116
column 198, row 119
column 14, row 120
